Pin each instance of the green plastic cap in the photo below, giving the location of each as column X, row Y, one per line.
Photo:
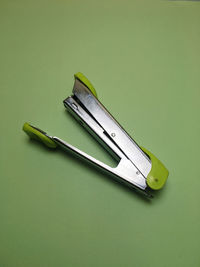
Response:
column 158, row 175
column 38, row 135
column 86, row 82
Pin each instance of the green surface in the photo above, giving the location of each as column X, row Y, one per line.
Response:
column 144, row 60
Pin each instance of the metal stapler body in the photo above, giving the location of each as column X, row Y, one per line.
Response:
column 137, row 167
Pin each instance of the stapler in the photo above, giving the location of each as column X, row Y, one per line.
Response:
column 137, row 167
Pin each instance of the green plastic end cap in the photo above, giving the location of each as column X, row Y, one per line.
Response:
column 38, row 135
column 158, row 175
column 86, row 82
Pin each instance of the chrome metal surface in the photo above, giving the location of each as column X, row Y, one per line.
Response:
column 93, row 127
column 125, row 171
column 112, row 129
column 133, row 164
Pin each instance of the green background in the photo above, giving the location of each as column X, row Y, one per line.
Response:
column 143, row 58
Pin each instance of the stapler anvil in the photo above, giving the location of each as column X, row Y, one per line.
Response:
column 137, row 167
